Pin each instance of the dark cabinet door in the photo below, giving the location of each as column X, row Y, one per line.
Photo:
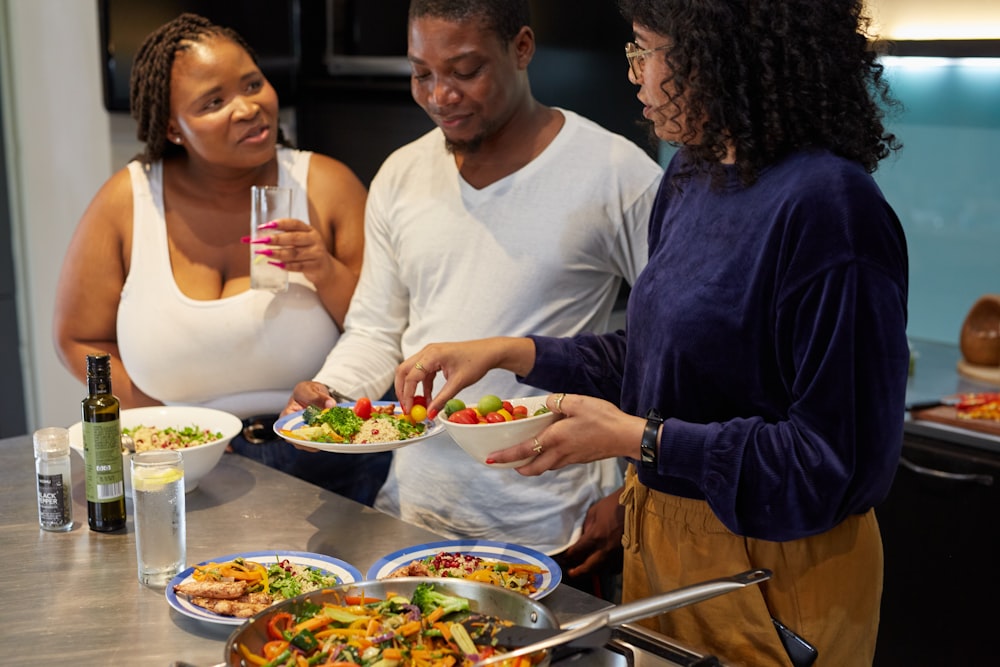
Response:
column 941, row 530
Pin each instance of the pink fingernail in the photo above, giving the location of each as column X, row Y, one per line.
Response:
column 245, row 239
column 490, row 461
column 264, row 251
column 262, row 239
column 280, row 265
column 268, row 225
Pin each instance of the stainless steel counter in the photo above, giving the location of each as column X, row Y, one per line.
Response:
column 73, row 598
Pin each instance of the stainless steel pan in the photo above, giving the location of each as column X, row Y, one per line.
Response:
column 494, row 601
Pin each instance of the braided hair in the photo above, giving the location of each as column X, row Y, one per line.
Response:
column 149, row 90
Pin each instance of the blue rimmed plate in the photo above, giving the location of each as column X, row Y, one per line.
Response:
column 345, row 573
column 545, row 583
column 285, row 428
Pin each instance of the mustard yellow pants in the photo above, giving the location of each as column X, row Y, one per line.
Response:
column 827, row 588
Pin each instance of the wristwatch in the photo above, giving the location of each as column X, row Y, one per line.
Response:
column 649, row 436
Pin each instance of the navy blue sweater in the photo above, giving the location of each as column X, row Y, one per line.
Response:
column 769, row 328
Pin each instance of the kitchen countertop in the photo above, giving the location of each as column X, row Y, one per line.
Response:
column 936, row 375
column 73, row 597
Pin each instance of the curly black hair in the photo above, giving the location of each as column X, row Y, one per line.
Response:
column 505, row 18
column 149, row 89
column 769, row 77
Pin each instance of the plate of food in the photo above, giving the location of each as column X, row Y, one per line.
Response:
column 511, row 566
column 355, row 428
column 229, row 589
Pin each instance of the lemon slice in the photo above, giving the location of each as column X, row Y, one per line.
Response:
column 155, row 481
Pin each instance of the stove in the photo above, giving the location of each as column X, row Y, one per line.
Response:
column 635, row 646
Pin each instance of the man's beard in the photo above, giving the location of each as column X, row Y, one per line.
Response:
column 467, row 146
column 464, row 147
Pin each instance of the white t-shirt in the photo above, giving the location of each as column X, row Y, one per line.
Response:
column 242, row 353
column 544, row 251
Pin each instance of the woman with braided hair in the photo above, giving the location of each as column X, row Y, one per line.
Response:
column 157, row 273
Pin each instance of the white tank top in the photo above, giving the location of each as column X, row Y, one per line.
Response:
column 243, row 353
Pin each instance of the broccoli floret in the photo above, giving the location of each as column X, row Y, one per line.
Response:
column 310, row 414
column 342, row 420
column 428, row 599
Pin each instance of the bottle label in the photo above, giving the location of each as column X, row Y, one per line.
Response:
column 102, row 452
column 53, row 501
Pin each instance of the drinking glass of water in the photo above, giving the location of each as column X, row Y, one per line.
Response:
column 160, row 526
column 268, row 203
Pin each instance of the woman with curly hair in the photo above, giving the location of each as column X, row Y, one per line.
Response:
column 758, row 388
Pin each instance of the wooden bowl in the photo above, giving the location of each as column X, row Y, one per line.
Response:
column 980, row 340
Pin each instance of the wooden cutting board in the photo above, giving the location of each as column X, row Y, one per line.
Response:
column 946, row 414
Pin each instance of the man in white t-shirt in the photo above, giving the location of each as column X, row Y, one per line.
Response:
column 509, row 218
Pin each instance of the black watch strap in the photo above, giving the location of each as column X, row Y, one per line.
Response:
column 650, row 447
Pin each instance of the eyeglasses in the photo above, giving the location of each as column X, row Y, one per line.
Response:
column 637, row 57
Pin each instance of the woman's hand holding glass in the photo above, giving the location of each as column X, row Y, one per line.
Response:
column 296, row 246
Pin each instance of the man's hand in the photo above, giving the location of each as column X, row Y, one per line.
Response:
column 601, row 539
column 308, row 393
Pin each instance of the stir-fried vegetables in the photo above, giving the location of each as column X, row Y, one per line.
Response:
column 421, row 631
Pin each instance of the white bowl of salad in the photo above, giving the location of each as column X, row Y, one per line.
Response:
column 200, row 434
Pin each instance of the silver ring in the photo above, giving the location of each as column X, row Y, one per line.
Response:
column 537, row 449
column 420, row 367
column 557, row 407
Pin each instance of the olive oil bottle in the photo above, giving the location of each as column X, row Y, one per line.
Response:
column 102, row 448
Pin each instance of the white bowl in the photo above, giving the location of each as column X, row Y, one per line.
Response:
column 479, row 440
column 198, row 460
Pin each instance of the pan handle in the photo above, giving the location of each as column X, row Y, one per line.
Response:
column 595, row 623
column 664, row 602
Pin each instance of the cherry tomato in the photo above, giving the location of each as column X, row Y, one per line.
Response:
column 420, row 400
column 508, row 406
column 495, row 418
column 418, row 412
column 465, row 416
column 519, row 411
column 363, row 408
column 505, row 413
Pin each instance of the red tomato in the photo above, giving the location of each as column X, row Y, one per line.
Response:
column 363, row 408
column 420, row 400
column 495, row 418
column 508, row 406
column 519, row 411
column 466, row 416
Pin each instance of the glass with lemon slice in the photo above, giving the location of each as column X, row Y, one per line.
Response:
column 160, row 528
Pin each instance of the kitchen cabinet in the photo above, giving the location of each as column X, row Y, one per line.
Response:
column 940, row 530
column 941, row 534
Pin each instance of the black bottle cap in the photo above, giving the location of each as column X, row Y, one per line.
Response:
column 98, row 364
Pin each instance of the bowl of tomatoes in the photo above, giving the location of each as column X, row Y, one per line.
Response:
column 494, row 423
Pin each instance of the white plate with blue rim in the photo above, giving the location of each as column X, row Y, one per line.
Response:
column 545, row 582
column 342, row 570
column 287, row 425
